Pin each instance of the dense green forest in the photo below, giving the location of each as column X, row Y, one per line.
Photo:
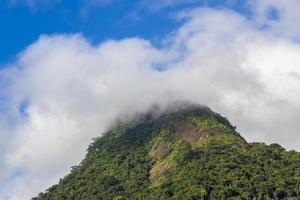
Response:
column 192, row 153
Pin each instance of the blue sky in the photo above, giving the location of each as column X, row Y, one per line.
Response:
column 22, row 22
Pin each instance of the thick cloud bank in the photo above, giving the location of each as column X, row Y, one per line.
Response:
column 62, row 91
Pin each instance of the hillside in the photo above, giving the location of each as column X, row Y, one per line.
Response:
column 192, row 153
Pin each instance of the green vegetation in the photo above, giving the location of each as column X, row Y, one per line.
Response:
column 189, row 154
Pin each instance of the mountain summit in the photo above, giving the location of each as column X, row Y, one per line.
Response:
column 185, row 153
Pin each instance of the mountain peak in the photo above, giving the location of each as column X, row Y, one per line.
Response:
column 182, row 152
column 190, row 122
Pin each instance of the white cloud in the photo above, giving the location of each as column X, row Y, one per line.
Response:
column 288, row 13
column 73, row 91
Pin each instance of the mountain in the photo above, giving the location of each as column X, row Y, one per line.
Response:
column 189, row 153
